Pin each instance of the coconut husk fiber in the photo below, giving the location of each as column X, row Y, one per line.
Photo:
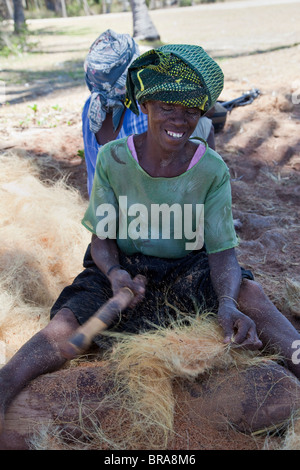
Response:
column 174, row 388
column 42, row 245
column 147, row 366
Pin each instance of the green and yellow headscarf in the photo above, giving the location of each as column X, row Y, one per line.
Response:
column 177, row 73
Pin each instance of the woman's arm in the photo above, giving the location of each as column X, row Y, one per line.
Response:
column 105, row 254
column 226, row 279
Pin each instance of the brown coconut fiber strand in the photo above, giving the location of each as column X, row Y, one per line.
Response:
column 143, row 370
column 42, row 244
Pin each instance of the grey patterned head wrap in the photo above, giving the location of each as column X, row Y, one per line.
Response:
column 105, row 74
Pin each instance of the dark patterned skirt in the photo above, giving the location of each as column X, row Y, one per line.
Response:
column 175, row 287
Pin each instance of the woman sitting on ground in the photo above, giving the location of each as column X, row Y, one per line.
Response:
column 146, row 218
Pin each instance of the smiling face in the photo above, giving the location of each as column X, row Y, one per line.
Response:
column 171, row 125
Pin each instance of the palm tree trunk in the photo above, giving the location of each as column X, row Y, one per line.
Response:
column 87, row 10
column 63, row 9
column 9, row 9
column 19, row 17
column 143, row 27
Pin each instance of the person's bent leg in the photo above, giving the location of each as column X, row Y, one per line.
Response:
column 40, row 355
column 273, row 328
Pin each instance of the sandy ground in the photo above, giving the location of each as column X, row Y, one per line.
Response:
column 258, row 47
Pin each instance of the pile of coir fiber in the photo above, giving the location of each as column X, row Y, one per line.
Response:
column 137, row 402
column 42, row 244
column 145, row 366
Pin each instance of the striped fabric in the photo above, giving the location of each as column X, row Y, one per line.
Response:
column 105, row 74
column 175, row 73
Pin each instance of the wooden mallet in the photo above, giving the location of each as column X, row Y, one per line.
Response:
column 100, row 321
